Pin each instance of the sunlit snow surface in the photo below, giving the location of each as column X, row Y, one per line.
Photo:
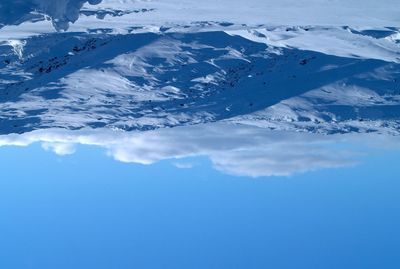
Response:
column 260, row 87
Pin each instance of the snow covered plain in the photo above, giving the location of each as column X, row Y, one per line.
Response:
column 253, row 74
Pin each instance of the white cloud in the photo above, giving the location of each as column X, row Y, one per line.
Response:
column 234, row 149
column 59, row 148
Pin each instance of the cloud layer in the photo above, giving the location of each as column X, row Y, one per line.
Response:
column 239, row 150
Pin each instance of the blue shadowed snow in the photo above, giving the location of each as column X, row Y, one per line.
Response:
column 146, row 80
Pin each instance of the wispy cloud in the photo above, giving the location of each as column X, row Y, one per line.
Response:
column 184, row 165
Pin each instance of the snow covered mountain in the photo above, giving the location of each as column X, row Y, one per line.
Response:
column 145, row 65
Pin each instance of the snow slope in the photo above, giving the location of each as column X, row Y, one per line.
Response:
column 122, row 15
column 165, row 79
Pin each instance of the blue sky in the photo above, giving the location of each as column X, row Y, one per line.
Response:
column 87, row 210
